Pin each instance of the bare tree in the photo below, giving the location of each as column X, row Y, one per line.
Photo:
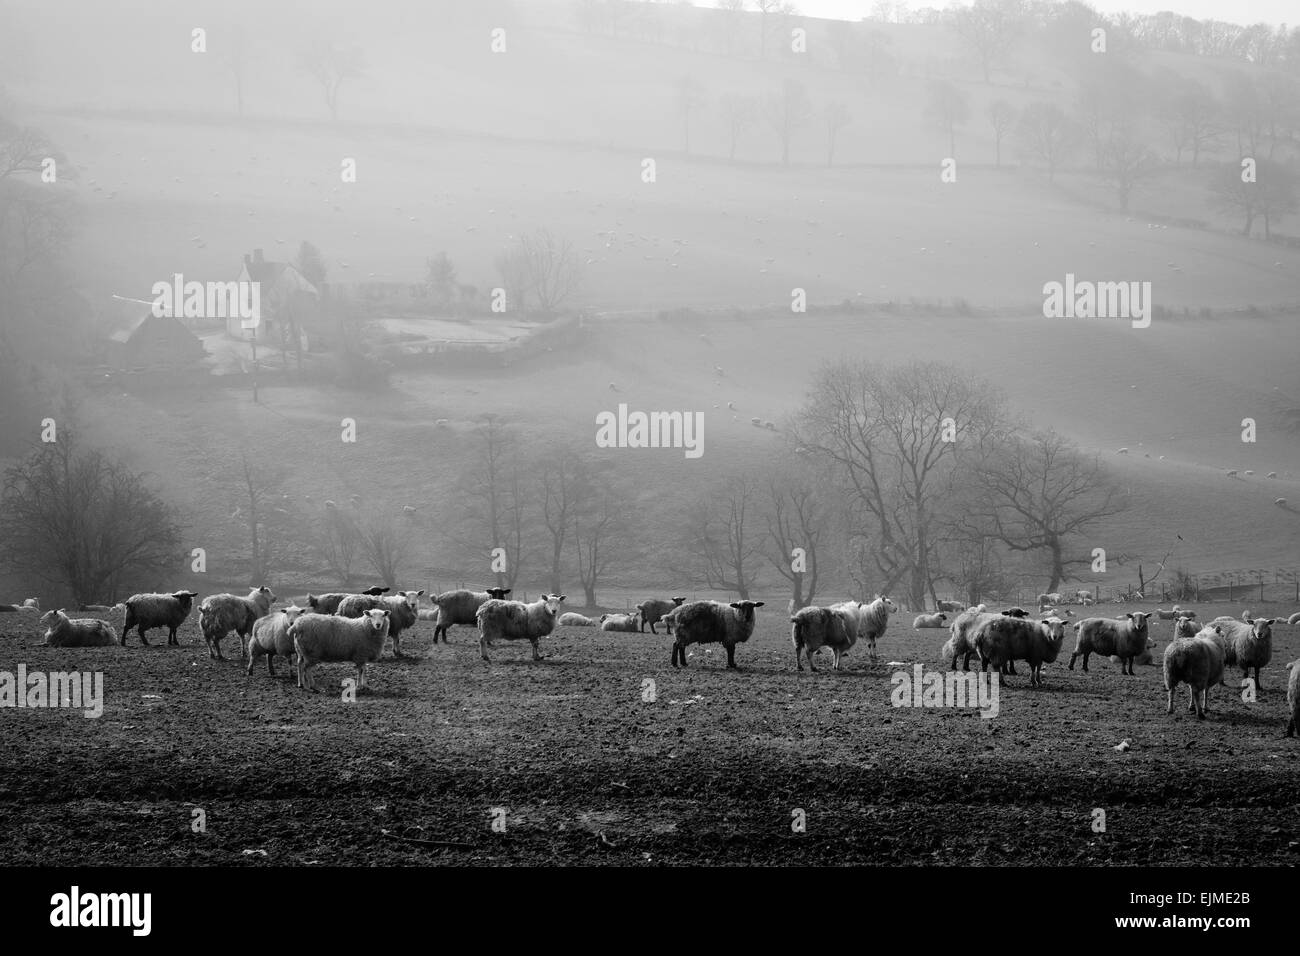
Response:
column 1191, row 116
column 731, row 15
column 331, row 65
column 722, row 538
column 990, row 27
column 787, row 112
column 337, row 543
column 1271, row 196
column 739, row 113
column 260, row 484
column 601, row 527
column 1002, row 117
column 796, row 519
column 385, row 544
column 77, row 518
column 688, row 97
column 1046, row 134
column 948, row 108
column 767, row 11
column 1127, row 161
column 491, row 498
column 837, row 117
column 1040, row 492
column 238, row 57
column 541, row 268
column 561, row 478
column 23, row 149
column 885, row 433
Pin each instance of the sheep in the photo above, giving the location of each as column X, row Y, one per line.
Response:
column 1124, row 638
column 846, row 624
column 325, row 603
column 956, row 607
column 1294, row 619
column 64, row 631
column 1179, row 612
column 147, row 611
column 1163, row 615
column 1048, row 600
column 1247, row 616
column 621, row 622
column 573, row 619
column 403, row 608
column 1293, row 699
column 1019, row 612
column 100, row 608
column 29, row 605
column 1145, row 657
column 653, row 610
column 930, row 620
column 219, row 614
column 330, row 638
column 271, row 637
column 1197, row 662
column 1057, row 612
column 515, row 621
column 712, row 622
column 962, row 628
column 1249, row 646
column 1280, row 502
column 1003, row 639
column 461, row 607
column 1232, row 473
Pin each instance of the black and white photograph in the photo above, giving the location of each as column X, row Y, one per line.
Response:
column 738, row 435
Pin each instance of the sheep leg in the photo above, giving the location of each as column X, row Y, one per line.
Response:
column 397, row 646
column 171, row 637
column 838, row 657
column 798, row 657
column 731, row 657
column 537, row 655
column 270, row 666
column 1258, row 686
column 652, row 628
column 143, row 640
column 965, row 661
column 361, row 674
column 1169, row 700
column 482, row 648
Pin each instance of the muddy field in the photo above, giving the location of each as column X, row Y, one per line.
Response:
column 587, row 770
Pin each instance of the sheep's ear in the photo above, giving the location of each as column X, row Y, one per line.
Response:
column 1270, row 621
column 561, row 597
column 419, row 592
column 759, row 603
column 1129, row 615
column 736, row 605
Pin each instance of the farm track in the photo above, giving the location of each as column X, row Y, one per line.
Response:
column 708, row 773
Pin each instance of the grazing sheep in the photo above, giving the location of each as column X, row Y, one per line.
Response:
column 461, row 607
column 403, row 608
column 271, row 637
column 1294, row 619
column 839, row 627
column 712, row 622
column 516, row 621
column 1249, row 645
column 1293, row 699
column 29, row 605
column 147, row 611
column 1198, row 663
column 930, row 620
column 1003, row 639
column 1163, row 615
column 332, row 639
column 621, row 622
column 219, row 614
column 1124, row 638
column 64, row 631
column 654, row 610
column 574, row 619
column 955, row 607
column 1049, row 600
column 963, row 629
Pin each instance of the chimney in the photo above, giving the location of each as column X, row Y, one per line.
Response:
column 247, row 261
column 257, row 256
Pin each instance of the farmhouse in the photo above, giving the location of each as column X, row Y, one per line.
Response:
column 153, row 340
column 285, row 292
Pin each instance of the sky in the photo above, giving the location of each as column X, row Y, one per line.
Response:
column 1234, row 11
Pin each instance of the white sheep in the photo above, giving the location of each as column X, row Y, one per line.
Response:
column 963, row 629
column 271, row 637
column 1124, row 638
column 147, row 611
column 331, row 639
column 1294, row 619
column 654, row 610
column 30, row 605
column 1249, row 646
column 1280, row 502
column 517, row 621
column 621, row 622
column 1247, row 616
column 956, row 607
column 574, row 619
column 1197, row 662
column 930, row 620
column 219, row 614
column 712, row 622
column 64, row 631
column 839, row 627
column 1293, row 699
column 403, row 608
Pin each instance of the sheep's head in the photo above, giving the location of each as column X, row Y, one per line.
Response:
column 745, row 609
column 679, row 601
column 498, row 594
column 943, row 617
column 552, row 603
column 411, row 597
column 377, row 618
column 1139, row 619
column 1055, row 628
column 291, row 613
column 266, row 593
column 182, row 595
column 1184, row 627
column 49, row 617
column 1263, row 627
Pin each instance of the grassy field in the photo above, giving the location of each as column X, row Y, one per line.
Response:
column 709, row 771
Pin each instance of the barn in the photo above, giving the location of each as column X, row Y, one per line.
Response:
column 154, row 340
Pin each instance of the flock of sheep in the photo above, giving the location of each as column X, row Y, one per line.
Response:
column 354, row 627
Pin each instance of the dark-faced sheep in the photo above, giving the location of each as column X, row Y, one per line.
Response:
column 147, row 611
column 1106, row 636
column 1002, row 639
column 712, row 622
column 517, row 621
column 654, row 610
column 330, row 638
column 461, row 607
column 271, row 637
column 64, row 631
column 403, row 609
column 219, row 614
column 1249, row 646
